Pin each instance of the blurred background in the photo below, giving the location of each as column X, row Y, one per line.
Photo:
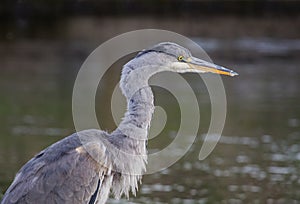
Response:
column 44, row 43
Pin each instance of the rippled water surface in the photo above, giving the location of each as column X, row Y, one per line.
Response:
column 257, row 159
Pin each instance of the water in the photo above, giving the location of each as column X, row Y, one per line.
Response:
column 257, row 159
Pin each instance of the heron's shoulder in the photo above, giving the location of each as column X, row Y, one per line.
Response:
column 66, row 146
column 78, row 138
column 91, row 132
column 70, row 145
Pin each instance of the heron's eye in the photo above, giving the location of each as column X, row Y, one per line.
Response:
column 180, row 58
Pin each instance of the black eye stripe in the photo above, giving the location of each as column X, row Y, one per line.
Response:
column 159, row 51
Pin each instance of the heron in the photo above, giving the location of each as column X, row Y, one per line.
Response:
column 73, row 171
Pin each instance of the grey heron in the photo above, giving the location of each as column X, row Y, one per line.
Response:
column 69, row 172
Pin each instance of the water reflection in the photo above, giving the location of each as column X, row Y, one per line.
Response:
column 261, row 46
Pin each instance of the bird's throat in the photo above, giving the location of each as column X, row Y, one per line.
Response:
column 140, row 108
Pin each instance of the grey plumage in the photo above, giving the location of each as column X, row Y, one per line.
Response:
column 47, row 177
column 86, row 166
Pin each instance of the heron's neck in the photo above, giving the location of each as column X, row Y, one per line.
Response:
column 129, row 139
column 140, row 108
column 140, row 105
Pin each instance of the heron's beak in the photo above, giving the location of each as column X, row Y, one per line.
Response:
column 201, row 66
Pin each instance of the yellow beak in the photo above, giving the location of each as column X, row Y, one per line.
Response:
column 201, row 66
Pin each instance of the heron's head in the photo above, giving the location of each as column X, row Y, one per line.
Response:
column 177, row 59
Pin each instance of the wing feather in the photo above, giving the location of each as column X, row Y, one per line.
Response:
column 64, row 176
